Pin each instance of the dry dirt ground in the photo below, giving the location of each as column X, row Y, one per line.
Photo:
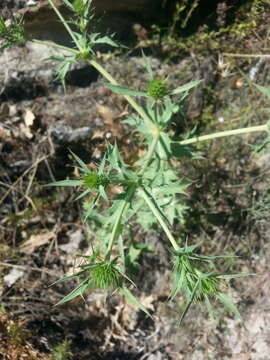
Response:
column 41, row 228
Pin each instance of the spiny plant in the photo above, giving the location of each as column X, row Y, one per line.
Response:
column 62, row 351
column 150, row 192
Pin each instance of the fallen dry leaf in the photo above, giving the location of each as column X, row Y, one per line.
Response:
column 36, row 241
column 29, row 118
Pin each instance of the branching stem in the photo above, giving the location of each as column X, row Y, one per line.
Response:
column 149, row 154
column 103, row 72
column 62, row 19
column 224, row 134
column 54, row 45
column 158, row 216
column 122, row 208
column 129, row 99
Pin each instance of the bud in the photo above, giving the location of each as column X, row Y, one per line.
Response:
column 93, row 181
column 157, row 89
column 105, row 276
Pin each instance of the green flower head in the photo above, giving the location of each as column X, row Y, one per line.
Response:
column 93, row 180
column 157, row 88
column 105, row 276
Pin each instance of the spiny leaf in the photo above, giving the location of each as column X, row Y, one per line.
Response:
column 66, row 183
column 147, row 65
column 229, row 305
column 106, row 40
column 83, row 166
column 78, row 291
column 189, row 303
column 90, row 209
column 122, row 90
column 84, row 193
column 185, row 87
column 132, row 300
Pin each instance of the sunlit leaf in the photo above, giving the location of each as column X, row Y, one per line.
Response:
column 66, row 183
column 122, row 90
column 78, row 291
column 185, row 87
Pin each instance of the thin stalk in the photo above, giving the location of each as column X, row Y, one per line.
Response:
column 159, row 218
column 115, row 229
column 225, row 133
column 63, row 21
column 247, row 55
column 149, row 154
column 129, row 99
column 54, row 45
column 104, row 73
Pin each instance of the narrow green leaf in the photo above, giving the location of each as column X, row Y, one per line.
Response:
column 233, row 276
column 148, row 65
column 91, row 208
column 66, row 183
column 106, row 40
column 264, row 90
column 78, row 291
column 210, row 309
column 68, row 4
column 122, row 251
column 132, row 300
column 102, row 192
column 65, row 278
column 185, row 87
column 177, row 283
column 122, row 90
column 189, row 303
column 83, row 166
column 228, row 304
column 84, row 193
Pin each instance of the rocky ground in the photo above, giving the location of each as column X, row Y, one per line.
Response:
column 41, row 229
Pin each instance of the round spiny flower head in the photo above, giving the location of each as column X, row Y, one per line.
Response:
column 157, row 88
column 105, row 276
column 93, row 180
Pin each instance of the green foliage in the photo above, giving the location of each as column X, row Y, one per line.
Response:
column 157, row 89
column 105, row 276
column 62, row 351
column 198, row 286
column 11, row 34
column 149, row 191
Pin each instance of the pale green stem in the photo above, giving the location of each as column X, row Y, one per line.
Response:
column 103, row 72
column 115, row 230
column 247, row 55
column 149, row 154
column 54, row 45
column 158, row 216
column 129, row 99
column 224, row 134
column 63, row 21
